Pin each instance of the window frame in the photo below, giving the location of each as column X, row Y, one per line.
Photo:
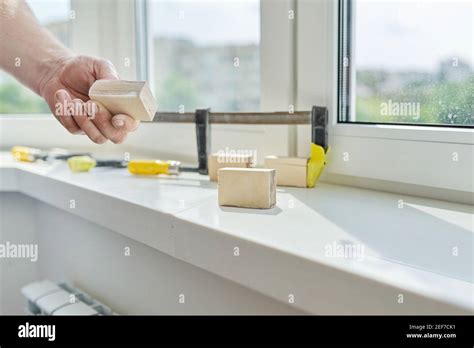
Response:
column 97, row 21
column 416, row 144
column 347, row 74
column 307, row 76
column 462, row 134
column 277, row 94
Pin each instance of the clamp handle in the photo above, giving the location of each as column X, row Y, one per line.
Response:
column 319, row 126
column 203, row 137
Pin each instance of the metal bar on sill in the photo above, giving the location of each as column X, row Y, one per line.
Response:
column 267, row 118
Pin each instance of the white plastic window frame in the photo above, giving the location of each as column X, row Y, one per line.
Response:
column 429, row 161
column 94, row 28
column 277, row 93
column 410, row 159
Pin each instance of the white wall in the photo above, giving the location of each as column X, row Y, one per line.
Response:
column 17, row 225
column 92, row 258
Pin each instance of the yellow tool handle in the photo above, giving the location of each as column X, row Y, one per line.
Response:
column 149, row 167
column 24, row 153
column 81, row 163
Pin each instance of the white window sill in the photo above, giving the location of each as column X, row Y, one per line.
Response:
column 282, row 252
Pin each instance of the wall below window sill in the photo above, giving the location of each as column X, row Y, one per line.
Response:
column 282, row 252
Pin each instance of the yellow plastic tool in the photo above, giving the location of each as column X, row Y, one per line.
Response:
column 316, row 163
column 81, row 163
column 143, row 167
column 25, row 154
column 153, row 167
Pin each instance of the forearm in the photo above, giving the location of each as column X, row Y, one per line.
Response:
column 28, row 51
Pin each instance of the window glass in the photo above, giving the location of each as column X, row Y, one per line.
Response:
column 205, row 54
column 413, row 61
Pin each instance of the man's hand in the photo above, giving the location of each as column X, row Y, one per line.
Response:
column 68, row 83
column 60, row 77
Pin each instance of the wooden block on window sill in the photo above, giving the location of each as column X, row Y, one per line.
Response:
column 132, row 98
column 290, row 171
column 247, row 187
column 217, row 161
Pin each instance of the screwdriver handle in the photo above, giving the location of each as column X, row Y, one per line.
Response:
column 153, row 167
column 85, row 163
column 140, row 167
column 25, row 154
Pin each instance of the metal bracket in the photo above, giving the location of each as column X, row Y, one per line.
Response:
column 203, row 138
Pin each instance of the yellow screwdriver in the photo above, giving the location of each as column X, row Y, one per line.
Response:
column 86, row 163
column 154, row 167
column 30, row 154
column 137, row 167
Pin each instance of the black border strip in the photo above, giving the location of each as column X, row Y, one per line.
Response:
column 287, row 330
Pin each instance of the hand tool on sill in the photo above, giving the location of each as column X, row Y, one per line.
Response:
column 30, row 154
column 137, row 167
column 86, row 163
column 157, row 167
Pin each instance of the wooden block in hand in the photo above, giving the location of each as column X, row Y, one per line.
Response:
column 217, row 161
column 247, row 187
column 290, row 171
column 132, row 98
